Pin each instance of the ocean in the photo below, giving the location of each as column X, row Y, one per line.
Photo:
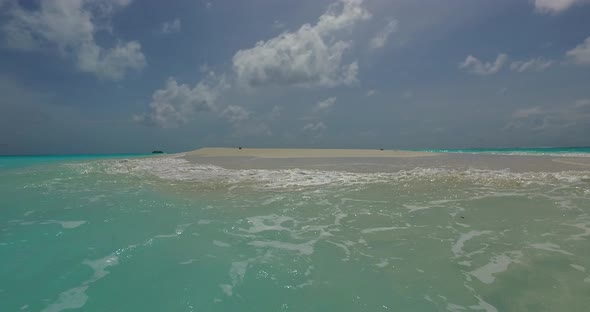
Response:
column 162, row 233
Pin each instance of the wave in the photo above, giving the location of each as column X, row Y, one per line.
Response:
column 175, row 168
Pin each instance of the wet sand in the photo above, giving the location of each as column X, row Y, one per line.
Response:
column 379, row 161
column 305, row 153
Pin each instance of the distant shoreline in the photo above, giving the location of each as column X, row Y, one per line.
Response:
column 373, row 160
column 305, row 153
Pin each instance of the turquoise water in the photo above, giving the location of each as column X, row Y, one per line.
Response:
column 163, row 234
column 554, row 151
column 10, row 162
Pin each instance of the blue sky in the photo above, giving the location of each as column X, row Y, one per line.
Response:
column 108, row 76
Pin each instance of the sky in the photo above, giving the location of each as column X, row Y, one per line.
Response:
column 130, row 76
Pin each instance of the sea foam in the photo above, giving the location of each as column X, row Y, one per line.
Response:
column 176, row 168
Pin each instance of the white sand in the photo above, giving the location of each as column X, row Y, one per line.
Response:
column 376, row 160
column 304, row 153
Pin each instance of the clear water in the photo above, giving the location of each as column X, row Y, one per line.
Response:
column 162, row 234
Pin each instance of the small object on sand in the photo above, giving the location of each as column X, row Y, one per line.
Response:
column 380, row 149
column 240, row 148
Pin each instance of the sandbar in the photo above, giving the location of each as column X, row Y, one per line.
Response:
column 304, row 153
column 365, row 160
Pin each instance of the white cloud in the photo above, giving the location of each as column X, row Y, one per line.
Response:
column 555, row 6
column 475, row 66
column 371, row 92
column 380, row 39
column 309, row 57
column 235, row 113
column 70, row 27
column 527, row 112
column 314, row 127
column 535, row 64
column 581, row 53
column 176, row 104
column 325, row 105
column 318, row 109
column 245, row 123
column 278, row 25
column 111, row 63
column 170, row 27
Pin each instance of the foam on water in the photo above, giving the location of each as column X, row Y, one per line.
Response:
column 585, row 227
column 221, row 244
column 76, row 297
column 483, row 305
column 457, row 247
column 498, row 264
column 175, row 168
column 551, row 247
column 213, row 239
column 261, row 223
column 302, row 248
column 63, row 224
column 67, row 224
column 236, row 273
column 381, row 229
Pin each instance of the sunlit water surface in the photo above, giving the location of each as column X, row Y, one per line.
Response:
column 161, row 234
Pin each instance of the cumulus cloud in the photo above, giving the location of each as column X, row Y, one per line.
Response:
column 309, row 57
column 171, row 27
column 245, row 123
column 535, row 64
column 320, row 108
column 550, row 119
column 475, row 66
column 70, row 26
column 380, row 39
column 312, row 56
column 235, row 113
column 314, row 127
column 555, row 6
column 176, row 104
column 581, row 53
column 111, row 63
column 325, row 105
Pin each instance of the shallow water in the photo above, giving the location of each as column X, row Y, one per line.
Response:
column 163, row 234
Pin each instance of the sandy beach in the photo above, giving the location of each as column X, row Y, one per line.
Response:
column 304, row 153
column 359, row 160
